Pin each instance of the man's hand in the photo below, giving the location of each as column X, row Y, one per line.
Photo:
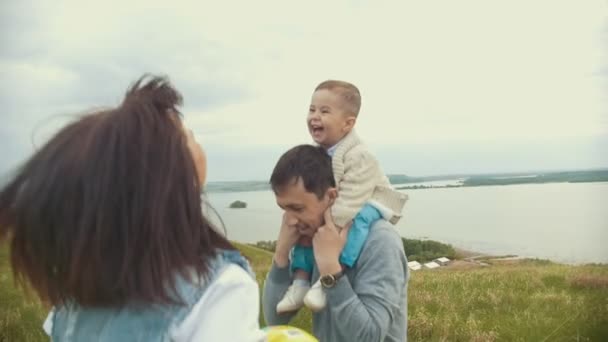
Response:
column 288, row 236
column 328, row 243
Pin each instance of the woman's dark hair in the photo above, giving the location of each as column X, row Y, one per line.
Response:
column 109, row 210
column 310, row 163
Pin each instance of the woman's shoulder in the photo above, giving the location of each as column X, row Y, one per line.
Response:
column 233, row 293
column 233, row 274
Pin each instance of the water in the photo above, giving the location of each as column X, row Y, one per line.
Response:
column 564, row 222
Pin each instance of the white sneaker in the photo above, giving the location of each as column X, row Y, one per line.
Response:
column 316, row 299
column 293, row 299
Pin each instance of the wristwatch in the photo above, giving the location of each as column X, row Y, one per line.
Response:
column 329, row 280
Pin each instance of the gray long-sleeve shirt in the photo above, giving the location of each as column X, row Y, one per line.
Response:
column 369, row 303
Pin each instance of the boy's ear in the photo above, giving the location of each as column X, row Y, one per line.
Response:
column 350, row 123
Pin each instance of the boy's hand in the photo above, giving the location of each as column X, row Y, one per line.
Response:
column 328, row 243
column 288, row 236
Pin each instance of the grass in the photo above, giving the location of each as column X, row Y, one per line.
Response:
column 21, row 316
column 524, row 300
column 521, row 301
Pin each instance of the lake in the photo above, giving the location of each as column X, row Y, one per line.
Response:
column 564, row 222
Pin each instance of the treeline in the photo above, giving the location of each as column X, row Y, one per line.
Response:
column 236, row 186
column 572, row 177
column 415, row 187
column 267, row 245
column 427, row 250
column 402, row 179
column 416, row 250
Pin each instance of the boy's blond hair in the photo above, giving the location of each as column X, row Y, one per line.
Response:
column 347, row 91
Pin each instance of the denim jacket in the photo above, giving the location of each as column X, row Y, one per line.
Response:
column 71, row 322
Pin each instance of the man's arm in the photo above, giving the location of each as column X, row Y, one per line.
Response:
column 366, row 307
column 276, row 284
column 279, row 278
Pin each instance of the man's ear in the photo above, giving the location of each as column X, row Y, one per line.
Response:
column 332, row 194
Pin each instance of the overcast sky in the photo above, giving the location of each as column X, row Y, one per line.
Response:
column 447, row 86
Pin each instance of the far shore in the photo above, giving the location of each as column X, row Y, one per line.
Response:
column 402, row 182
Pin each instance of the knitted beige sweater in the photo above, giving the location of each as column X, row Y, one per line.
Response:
column 360, row 180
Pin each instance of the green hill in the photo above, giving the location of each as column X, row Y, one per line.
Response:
column 402, row 179
column 527, row 300
column 554, row 177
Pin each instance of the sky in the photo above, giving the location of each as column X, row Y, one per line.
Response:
column 447, row 86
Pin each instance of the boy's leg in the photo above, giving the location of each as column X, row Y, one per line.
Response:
column 302, row 258
column 359, row 230
column 302, row 262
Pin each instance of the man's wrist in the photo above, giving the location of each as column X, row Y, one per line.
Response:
column 281, row 259
column 331, row 268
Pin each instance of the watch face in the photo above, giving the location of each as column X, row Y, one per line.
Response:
column 328, row 280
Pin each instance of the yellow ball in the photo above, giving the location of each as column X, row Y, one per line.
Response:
column 285, row 333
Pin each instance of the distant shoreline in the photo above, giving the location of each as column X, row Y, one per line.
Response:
column 401, row 181
column 450, row 186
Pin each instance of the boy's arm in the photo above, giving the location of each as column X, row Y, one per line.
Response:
column 275, row 286
column 361, row 174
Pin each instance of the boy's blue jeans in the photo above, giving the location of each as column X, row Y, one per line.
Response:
column 302, row 257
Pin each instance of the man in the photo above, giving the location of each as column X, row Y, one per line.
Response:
column 367, row 302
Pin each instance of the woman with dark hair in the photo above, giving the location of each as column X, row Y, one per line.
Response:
column 105, row 223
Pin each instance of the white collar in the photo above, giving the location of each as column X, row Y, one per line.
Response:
column 332, row 150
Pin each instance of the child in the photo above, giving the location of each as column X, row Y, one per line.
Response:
column 364, row 192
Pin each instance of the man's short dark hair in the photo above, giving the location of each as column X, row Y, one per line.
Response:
column 310, row 163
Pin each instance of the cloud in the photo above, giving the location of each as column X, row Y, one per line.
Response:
column 430, row 73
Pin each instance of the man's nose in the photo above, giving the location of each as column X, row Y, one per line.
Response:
column 291, row 219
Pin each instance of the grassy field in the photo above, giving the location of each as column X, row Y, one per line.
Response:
column 507, row 301
column 517, row 301
column 21, row 316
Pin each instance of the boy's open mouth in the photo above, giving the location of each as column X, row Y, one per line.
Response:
column 316, row 129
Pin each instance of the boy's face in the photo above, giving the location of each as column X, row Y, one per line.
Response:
column 328, row 121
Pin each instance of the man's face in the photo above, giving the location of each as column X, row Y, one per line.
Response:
column 304, row 209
